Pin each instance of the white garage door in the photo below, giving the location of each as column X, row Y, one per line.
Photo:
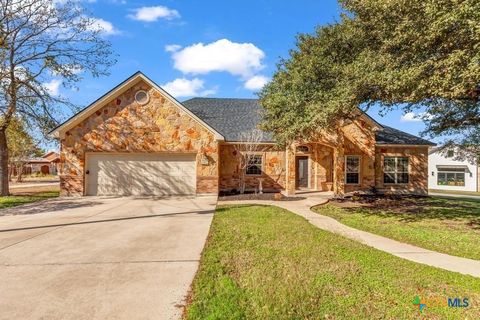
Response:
column 140, row 174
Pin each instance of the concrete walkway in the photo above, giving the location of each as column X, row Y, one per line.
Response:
column 453, row 195
column 396, row 248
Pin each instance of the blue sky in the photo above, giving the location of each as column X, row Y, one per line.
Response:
column 206, row 48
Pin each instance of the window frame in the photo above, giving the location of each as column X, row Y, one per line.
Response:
column 147, row 97
column 359, row 169
column 396, row 172
column 455, row 173
column 255, row 154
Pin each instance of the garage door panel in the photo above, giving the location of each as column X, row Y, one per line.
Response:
column 140, row 174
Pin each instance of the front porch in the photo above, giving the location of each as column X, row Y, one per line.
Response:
column 314, row 167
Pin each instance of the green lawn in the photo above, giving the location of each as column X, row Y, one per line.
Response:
column 450, row 226
column 264, row 262
column 16, row 200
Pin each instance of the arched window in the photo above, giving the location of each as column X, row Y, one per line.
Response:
column 303, row 149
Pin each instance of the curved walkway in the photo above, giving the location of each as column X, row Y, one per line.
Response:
column 397, row 248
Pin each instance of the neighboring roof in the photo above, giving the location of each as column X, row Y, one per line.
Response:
column 51, row 155
column 388, row 135
column 122, row 87
column 231, row 117
column 453, row 166
column 38, row 160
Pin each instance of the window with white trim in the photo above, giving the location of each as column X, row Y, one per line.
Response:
column 451, row 177
column 352, row 170
column 254, row 164
column 395, row 170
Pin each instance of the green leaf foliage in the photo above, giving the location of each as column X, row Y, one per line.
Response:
column 408, row 54
column 21, row 145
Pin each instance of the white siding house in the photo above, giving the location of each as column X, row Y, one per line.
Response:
column 446, row 173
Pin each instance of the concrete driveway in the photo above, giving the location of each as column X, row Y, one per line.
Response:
column 101, row 258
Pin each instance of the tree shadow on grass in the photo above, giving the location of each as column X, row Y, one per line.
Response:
column 418, row 209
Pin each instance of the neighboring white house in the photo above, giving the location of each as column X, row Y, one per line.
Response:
column 445, row 173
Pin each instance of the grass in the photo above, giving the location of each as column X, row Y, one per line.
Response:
column 446, row 225
column 264, row 262
column 16, row 200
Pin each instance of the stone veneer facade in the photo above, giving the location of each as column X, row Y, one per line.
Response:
column 125, row 126
column 326, row 158
column 160, row 126
column 273, row 171
column 418, row 169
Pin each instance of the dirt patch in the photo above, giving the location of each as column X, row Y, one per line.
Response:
column 257, row 196
column 403, row 204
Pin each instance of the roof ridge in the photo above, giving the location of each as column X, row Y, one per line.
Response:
column 395, row 129
column 392, row 129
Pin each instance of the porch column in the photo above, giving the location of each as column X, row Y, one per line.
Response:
column 290, row 174
column 339, row 167
column 316, row 160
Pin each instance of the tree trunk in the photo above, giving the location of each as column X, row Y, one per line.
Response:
column 3, row 163
column 20, row 173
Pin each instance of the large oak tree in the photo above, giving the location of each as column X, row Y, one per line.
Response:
column 418, row 55
column 41, row 40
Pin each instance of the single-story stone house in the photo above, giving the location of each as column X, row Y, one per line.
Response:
column 139, row 140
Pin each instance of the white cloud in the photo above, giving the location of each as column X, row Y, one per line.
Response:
column 256, row 82
column 413, row 117
column 410, row 117
column 182, row 87
column 172, row 47
column 105, row 27
column 151, row 14
column 53, row 86
column 240, row 59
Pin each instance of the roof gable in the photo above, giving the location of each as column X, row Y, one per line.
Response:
column 119, row 89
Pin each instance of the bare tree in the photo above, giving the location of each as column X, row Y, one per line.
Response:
column 250, row 146
column 42, row 40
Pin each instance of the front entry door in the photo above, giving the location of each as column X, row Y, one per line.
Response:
column 302, row 172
